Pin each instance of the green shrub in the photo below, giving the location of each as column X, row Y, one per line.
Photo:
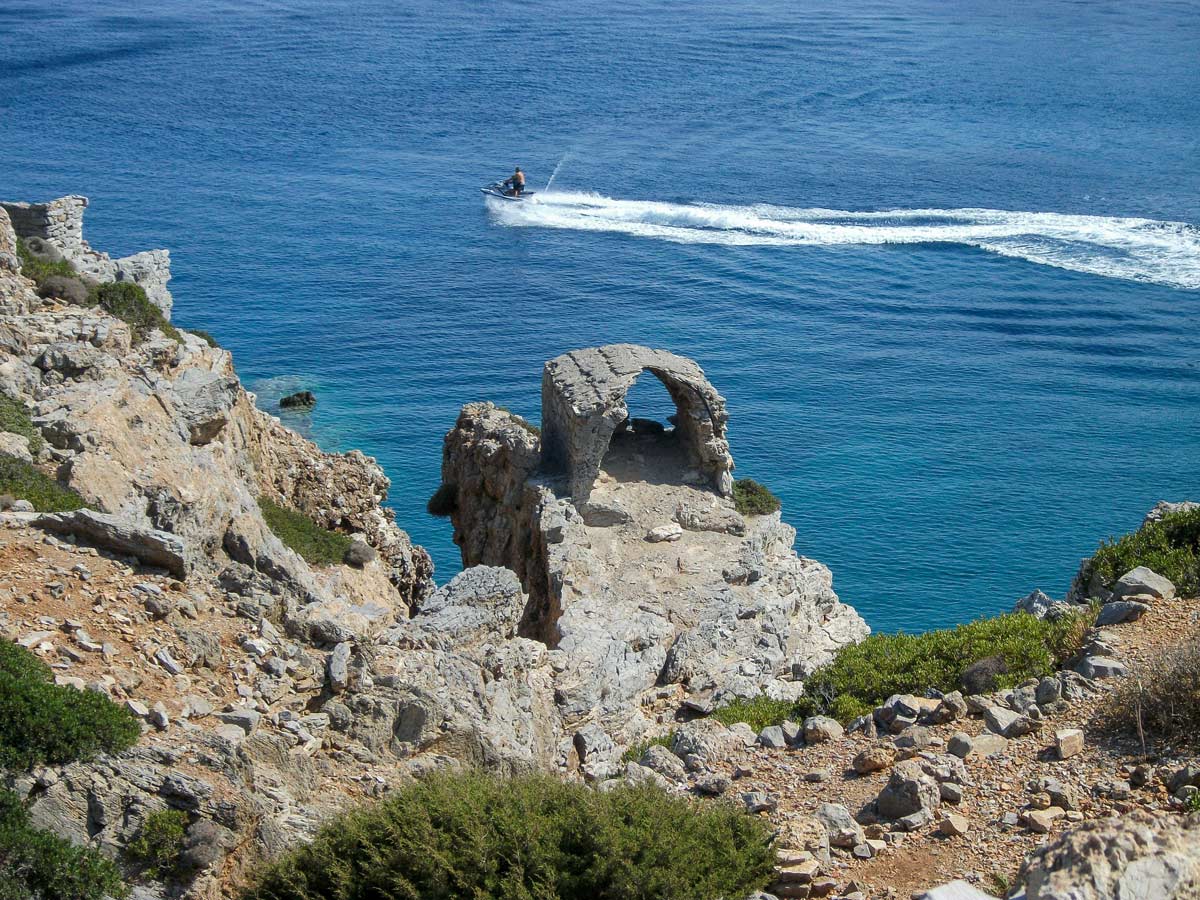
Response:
column 1162, row 699
column 39, row 260
column 757, row 713
column 864, row 675
column 205, row 336
column 635, row 752
column 39, row 865
column 444, row 501
column 70, row 290
column 43, row 723
column 753, row 499
column 27, row 482
column 1170, row 546
column 129, row 303
column 529, row 838
column 319, row 546
column 15, row 418
column 159, row 842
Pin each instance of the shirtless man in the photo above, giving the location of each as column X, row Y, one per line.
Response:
column 516, row 183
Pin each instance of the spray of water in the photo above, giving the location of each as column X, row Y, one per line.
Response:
column 554, row 174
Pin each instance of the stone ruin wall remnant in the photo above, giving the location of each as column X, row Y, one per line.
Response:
column 583, row 405
column 60, row 222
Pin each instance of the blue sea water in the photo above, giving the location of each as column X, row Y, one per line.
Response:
column 942, row 259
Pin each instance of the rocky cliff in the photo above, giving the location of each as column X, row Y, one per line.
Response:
column 655, row 595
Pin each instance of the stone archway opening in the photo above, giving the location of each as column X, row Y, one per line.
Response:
column 648, row 445
column 584, row 407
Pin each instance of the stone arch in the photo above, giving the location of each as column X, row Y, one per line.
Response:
column 583, row 403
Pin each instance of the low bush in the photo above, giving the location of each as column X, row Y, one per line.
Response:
column 70, row 290
column 753, row 499
column 27, row 482
column 39, row 865
column 319, row 546
column 159, row 843
column 444, row 501
column 43, row 723
column 527, row 838
column 1161, row 701
column 1170, row 546
column 864, row 675
column 40, row 260
column 758, row 713
column 129, row 303
column 15, row 418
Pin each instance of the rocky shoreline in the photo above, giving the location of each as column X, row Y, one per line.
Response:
column 615, row 590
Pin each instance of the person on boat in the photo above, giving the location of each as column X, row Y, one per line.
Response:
column 515, row 186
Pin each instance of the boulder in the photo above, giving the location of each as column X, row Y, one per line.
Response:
column 1068, row 742
column 1042, row 606
column 1143, row 580
column 819, row 729
column 672, row 531
column 1117, row 611
column 716, row 517
column 874, row 759
column 1100, row 667
column 773, row 738
column 910, row 789
column 153, row 547
column 843, row 830
column 1006, row 722
column 204, row 401
column 298, row 400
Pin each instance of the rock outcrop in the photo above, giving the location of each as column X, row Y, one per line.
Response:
column 643, row 579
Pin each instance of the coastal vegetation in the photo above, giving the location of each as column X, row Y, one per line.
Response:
column 636, row 751
column 862, row 676
column 24, row 481
column 40, row 260
column 483, row 836
column 159, row 843
column 129, row 303
column 753, row 499
column 38, row 865
column 1170, row 546
column 43, row 723
column 1162, row 701
column 14, row 418
column 319, row 546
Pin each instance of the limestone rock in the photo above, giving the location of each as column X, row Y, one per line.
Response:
column 1041, row 605
column 669, row 532
column 157, row 548
column 1137, row 855
column 909, row 790
column 819, row 729
column 874, row 759
column 843, row 830
column 1100, row 667
column 1116, row 611
column 1068, row 742
column 1143, row 580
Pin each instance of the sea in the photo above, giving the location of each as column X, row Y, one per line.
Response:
column 942, row 259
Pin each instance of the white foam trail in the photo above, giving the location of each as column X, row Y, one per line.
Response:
column 1148, row 250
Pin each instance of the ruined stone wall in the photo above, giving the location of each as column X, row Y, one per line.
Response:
column 60, row 222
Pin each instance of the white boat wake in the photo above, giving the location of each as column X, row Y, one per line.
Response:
column 1166, row 253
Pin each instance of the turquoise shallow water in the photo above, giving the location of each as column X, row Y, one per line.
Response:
column 943, row 263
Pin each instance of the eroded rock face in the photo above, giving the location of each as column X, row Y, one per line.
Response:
column 1138, row 855
column 724, row 608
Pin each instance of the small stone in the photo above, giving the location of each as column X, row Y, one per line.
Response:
column 672, row 531
column 1068, row 742
column 1040, row 821
column 159, row 718
column 245, row 719
column 862, row 851
column 1005, row 722
column 960, row 745
column 1117, row 611
column 163, row 658
column 1100, row 667
column 772, row 738
column 757, row 801
column 819, row 729
column 950, row 792
column 874, row 759
column 954, row 825
column 137, row 708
